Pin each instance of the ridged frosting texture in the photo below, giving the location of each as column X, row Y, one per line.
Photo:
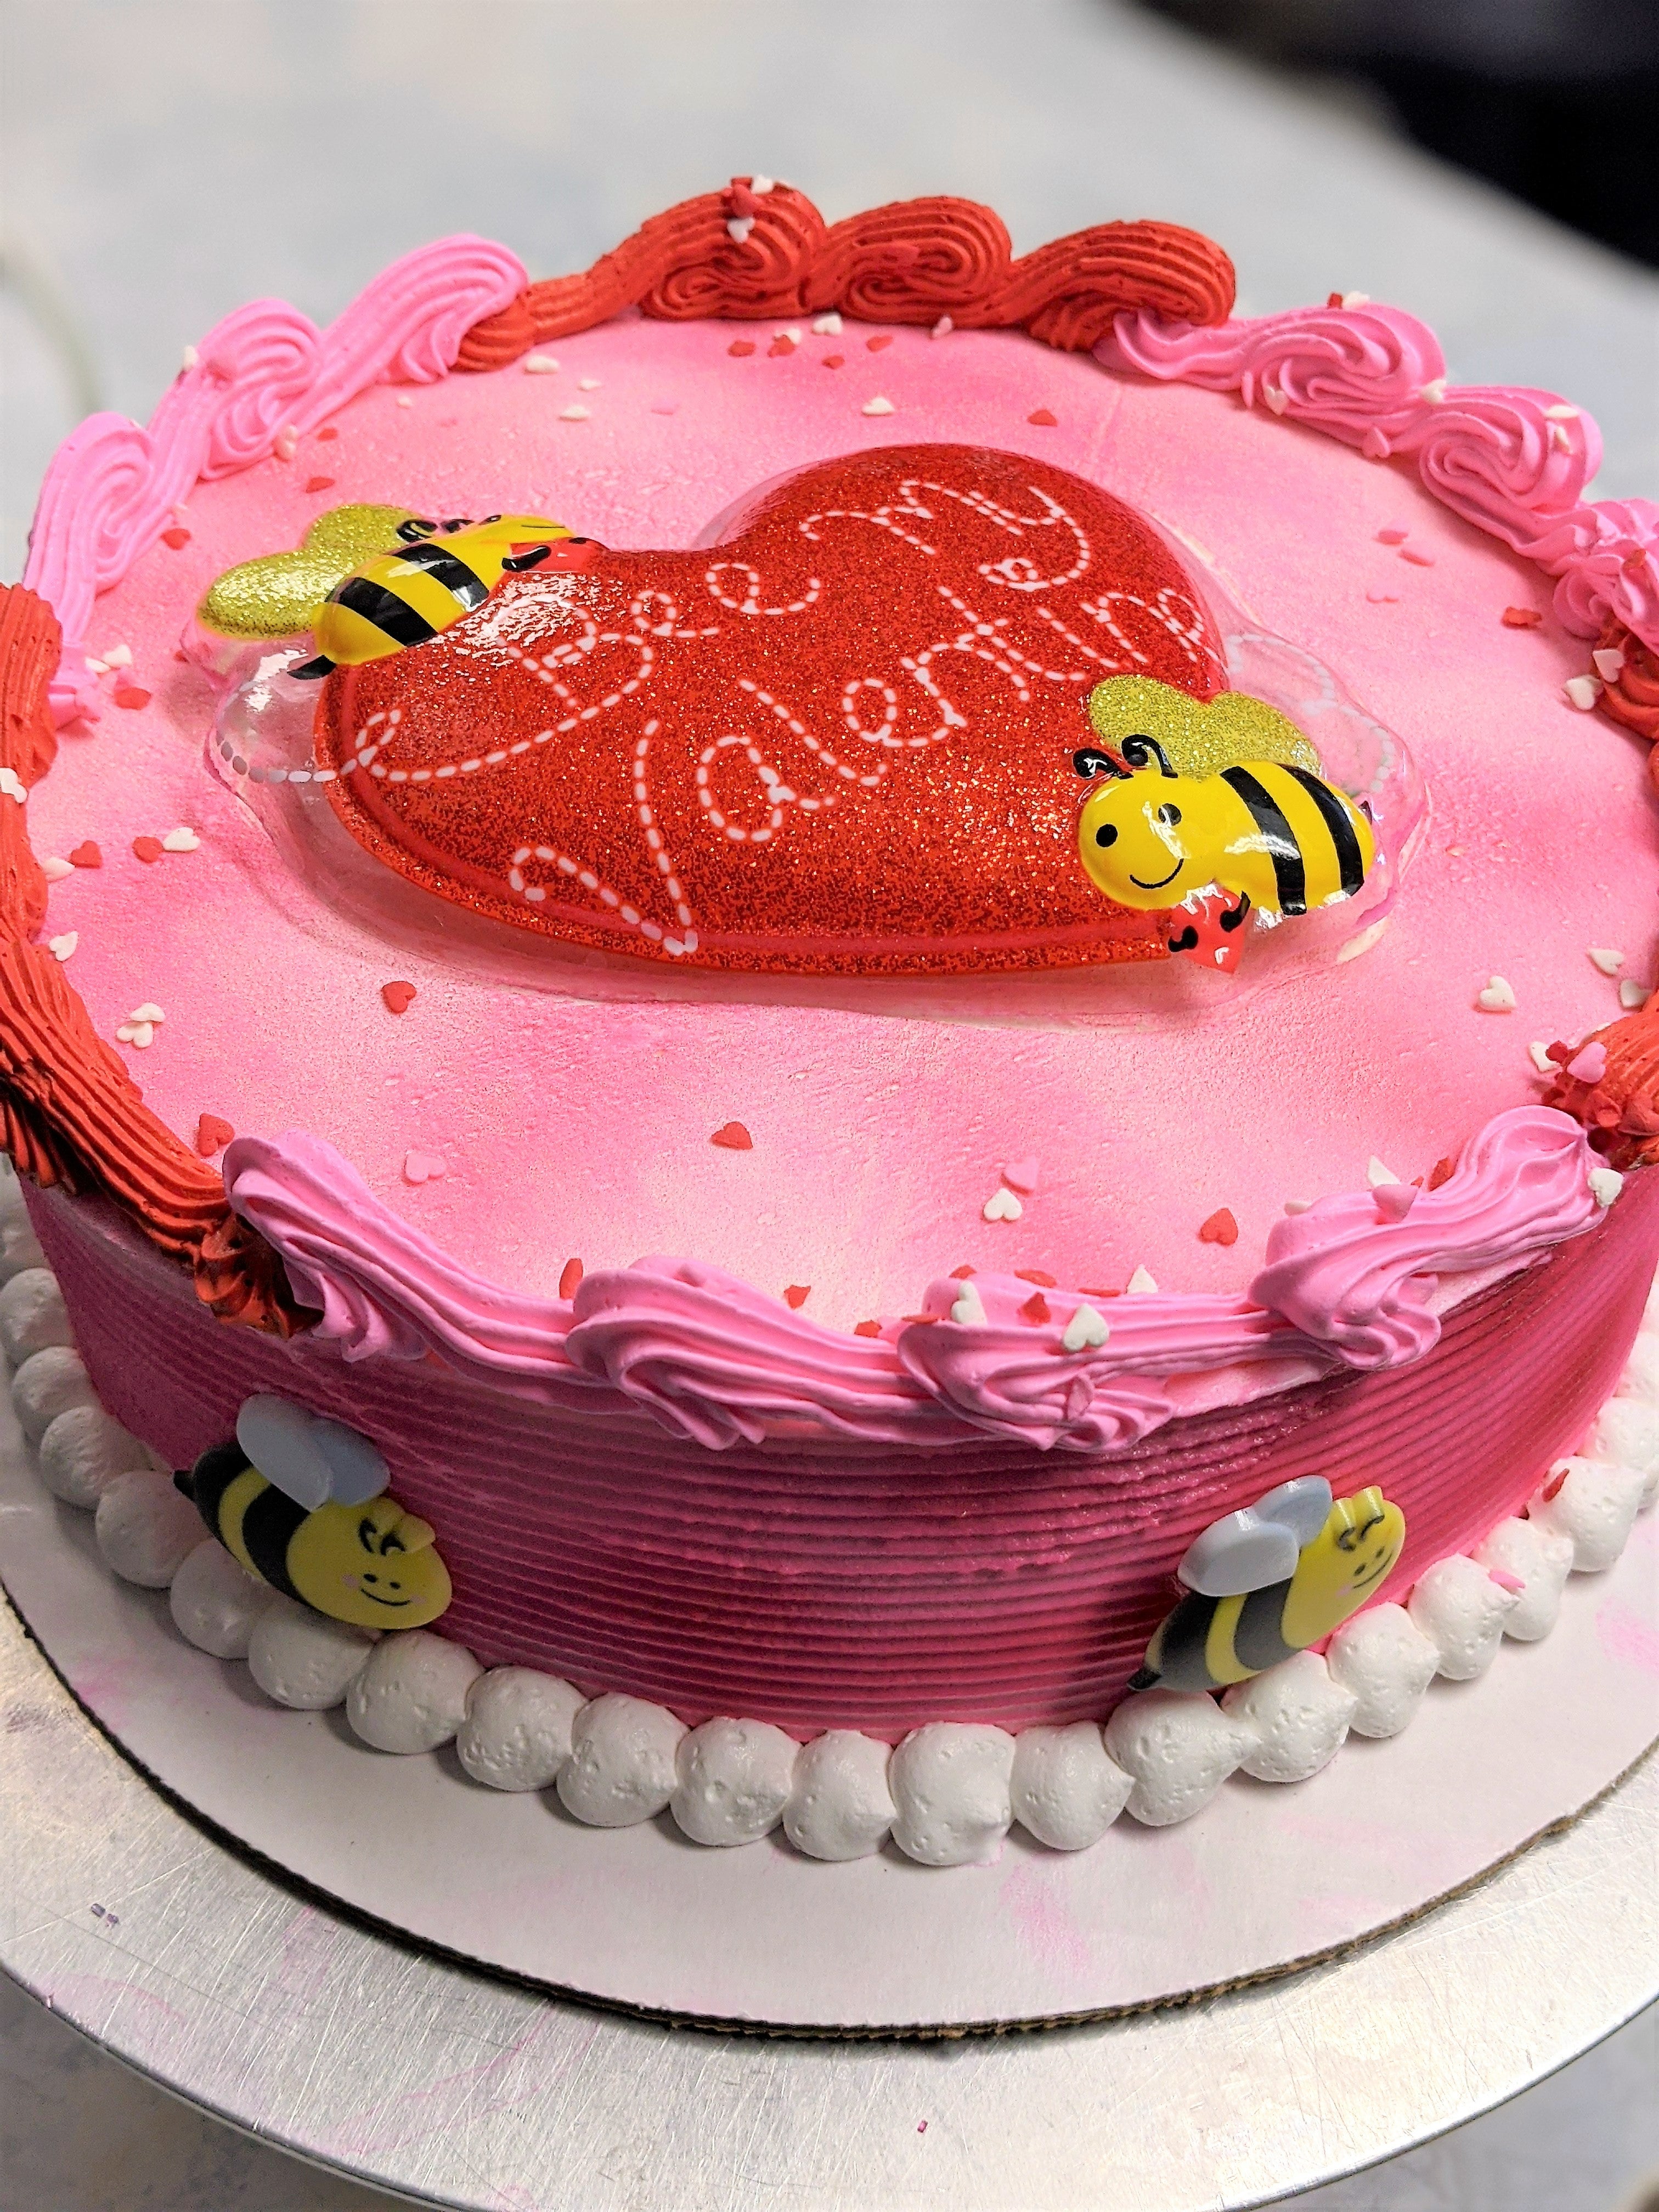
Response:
column 715, row 1361
column 112, row 486
column 1512, row 461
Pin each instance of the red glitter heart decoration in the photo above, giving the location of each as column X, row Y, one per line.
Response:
column 838, row 740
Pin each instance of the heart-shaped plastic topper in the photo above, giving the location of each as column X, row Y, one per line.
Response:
column 839, row 740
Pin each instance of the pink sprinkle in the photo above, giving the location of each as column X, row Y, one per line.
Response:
column 1418, row 559
column 1395, row 534
column 1506, row 1581
column 1374, row 445
column 1384, row 599
column 1021, row 1175
column 664, row 406
column 423, row 1167
column 1394, row 1200
column 1590, row 1066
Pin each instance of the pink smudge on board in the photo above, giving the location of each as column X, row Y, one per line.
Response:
column 1047, row 1929
column 1624, row 1635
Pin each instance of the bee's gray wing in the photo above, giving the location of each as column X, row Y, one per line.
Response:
column 1260, row 1544
column 312, row 1460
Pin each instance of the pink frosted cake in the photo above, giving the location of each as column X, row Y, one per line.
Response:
column 1083, row 869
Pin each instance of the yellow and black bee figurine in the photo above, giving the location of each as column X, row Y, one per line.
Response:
column 441, row 572
column 1269, row 1581
column 1262, row 829
column 300, row 1501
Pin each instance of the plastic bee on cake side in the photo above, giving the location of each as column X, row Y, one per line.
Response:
column 442, row 571
column 1260, row 830
column 300, row 1501
column 1270, row 1580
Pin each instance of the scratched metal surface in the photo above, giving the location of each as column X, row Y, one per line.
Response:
column 367, row 2056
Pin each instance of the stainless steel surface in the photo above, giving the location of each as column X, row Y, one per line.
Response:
column 367, row 2056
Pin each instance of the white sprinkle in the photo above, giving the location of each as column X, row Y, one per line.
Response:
column 1363, row 942
column 878, row 406
column 793, row 334
column 1434, row 392
column 1085, row 1331
column 1538, row 1051
column 1141, row 1282
column 95, row 666
column 1002, row 1206
column 55, row 870
column 189, row 358
column 1609, row 663
column 12, row 785
column 1497, row 997
column 1561, row 413
column 1276, row 400
column 826, row 327
column 287, row 440
column 1632, row 995
column 761, row 186
column 737, row 228
column 118, row 656
column 61, row 947
column 574, row 413
column 404, row 400
column 969, row 1308
column 180, row 840
column 587, row 383
column 141, row 1034
column 1559, row 439
column 1298, row 1205
column 942, row 328
column 1604, row 1184
column 535, row 364
column 1606, row 959
column 150, row 1011
column 1583, row 691
column 1376, row 1174
column 1355, row 299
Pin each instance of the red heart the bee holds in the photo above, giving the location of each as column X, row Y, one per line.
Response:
column 838, row 741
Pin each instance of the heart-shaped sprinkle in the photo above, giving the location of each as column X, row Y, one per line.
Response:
column 574, row 413
column 540, row 364
column 570, row 1276
column 1219, row 1229
column 878, row 406
column 213, row 1133
column 327, row 434
column 1632, row 994
column 11, row 785
column 399, row 997
column 1295, row 1205
column 118, row 656
column 1521, row 618
column 1590, row 1064
column 1538, row 1051
column 1374, row 445
column 737, row 228
column 1002, row 1206
column 1604, row 1184
column 587, row 383
column 286, row 443
column 1021, row 1175
column 878, row 344
column 827, row 327
column 1035, row 1310
column 423, row 1167
column 1582, row 691
column 1395, row 533
column 1604, row 958
column 1141, row 1282
column 740, row 349
column 1395, row 1200
column 130, row 695
column 147, row 849
column 942, row 328
column 1497, row 997
column 1506, row 1581
column 796, row 1295
column 54, row 869
column 139, row 1034
column 1378, row 1176
column 177, row 538
column 319, row 484
column 1085, row 1331
column 1044, row 1282
column 180, row 840
column 1442, row 1171
column 867, row 1329
column 150, row 1011
column 834, row 361
column 969, row 1308
column 732, row 1137
column 61, row 947
column 1043, row 418
column 1608, row 663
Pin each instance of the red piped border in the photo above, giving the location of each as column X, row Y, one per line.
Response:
column 750, row 255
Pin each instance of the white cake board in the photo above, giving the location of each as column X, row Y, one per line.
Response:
column 1265, row 1878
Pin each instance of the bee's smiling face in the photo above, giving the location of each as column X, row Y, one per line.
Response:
column 1346, row 1564
column 372, row 1565
column 1130, row 838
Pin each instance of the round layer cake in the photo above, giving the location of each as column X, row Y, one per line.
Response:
column 714, row 890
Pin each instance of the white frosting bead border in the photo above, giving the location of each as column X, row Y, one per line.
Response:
column 948, row 1794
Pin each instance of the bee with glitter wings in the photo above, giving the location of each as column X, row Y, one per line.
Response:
column 1270, row 1580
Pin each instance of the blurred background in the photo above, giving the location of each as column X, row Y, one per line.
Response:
column 1489, row 164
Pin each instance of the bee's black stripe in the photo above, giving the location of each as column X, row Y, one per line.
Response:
column 1334, row 816
column 448, row 569
column 211, row 1476
column 1289, row 875
column 386, row 612
column 1258, row 1636
column 268, row 1527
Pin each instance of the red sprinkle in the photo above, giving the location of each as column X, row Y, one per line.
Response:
column 739, row 348
column 1088, row 1293
column 399, row 997
column 1036, row 1275
column 1035, row 1310
column 569, row 1276
column 86, row 856
column 1332, row 299
column 780, row 348
column 1522, row 618
column 796, row 1295
column 1043, row 419
column 212, row 1135
column 1219, row 1229
column 877, row 345
column 149, row 849
column 327, row 432
column 128, row 695
column 319, row 484
column 867, row 1329
column 176, row 538
column 960, row 1275
column 1553, row 1487
column 1442, row 1171
column 732, row 1137
column 834, row 360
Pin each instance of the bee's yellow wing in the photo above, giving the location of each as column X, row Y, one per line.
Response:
column 1198, row 736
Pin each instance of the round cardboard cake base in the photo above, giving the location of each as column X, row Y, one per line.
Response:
column 1265, row 1878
